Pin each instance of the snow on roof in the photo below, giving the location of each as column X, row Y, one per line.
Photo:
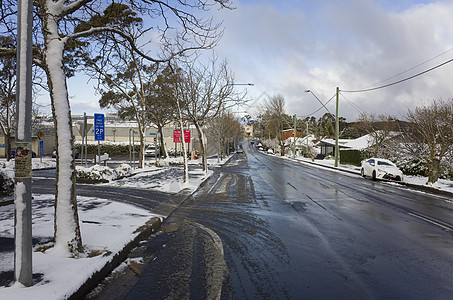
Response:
column 362, row 142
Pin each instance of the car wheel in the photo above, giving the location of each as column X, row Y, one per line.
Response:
column 373, row 176
column 362, row 173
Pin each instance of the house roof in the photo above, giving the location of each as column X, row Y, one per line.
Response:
column 362, row 142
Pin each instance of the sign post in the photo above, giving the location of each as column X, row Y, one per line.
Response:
column 99, row 131
column 41, row 144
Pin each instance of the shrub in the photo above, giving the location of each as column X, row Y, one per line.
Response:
column 98, row 174
column 6, row 184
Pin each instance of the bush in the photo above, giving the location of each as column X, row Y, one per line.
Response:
column 412, row 166
column 353, row 156
column 6, row 185
column 108, row 147
column 100, row 174
column 350, row 157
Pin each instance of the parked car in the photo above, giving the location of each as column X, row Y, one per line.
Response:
column 379, row 168
column 151, row 151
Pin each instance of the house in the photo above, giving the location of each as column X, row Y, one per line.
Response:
column 248, row 130
column 290, row 133
column 327, row 146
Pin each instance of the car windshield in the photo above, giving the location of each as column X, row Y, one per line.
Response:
column 384, row 163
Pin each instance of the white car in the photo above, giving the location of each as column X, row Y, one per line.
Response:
column 151, row 151
column 379, row 168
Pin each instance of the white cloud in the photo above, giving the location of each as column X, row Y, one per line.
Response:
column 351, row 44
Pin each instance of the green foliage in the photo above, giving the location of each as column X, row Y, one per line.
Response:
column 350, row 157
column 115, row 15
column 350, row 133
column 353, row 157
column 110, row 148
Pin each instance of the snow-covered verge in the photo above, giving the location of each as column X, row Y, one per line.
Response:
column 106, row 228
column 441, row 184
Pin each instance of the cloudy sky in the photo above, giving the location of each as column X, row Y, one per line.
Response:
column 286, row 47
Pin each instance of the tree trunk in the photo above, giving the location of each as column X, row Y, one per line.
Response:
column 202, row 147
column 67, row 230
column 162, row 142
column 183, row 143
column 8, row 146
column 433, row 170
column 141, row 151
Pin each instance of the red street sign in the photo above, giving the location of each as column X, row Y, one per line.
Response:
column 177, row 136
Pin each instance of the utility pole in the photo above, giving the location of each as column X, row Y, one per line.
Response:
column 337, row 127
column 295, row 132
column 23, row 162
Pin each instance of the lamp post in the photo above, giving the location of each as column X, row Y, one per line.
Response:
column 337, row 128
column 309, row 91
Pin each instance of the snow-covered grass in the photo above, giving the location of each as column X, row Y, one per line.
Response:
column 441, row 184
column 106, row 227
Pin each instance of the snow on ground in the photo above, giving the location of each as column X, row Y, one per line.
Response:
column 106, row 227
column 441, row 184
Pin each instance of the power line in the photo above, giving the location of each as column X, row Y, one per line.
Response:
column 355, row 106
column 411, row 68
column 319, row 108
column 399, row 81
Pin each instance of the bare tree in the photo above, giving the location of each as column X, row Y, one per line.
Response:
column 431, row 135
column 231, row 131
column 274, row 109
column 64, row 31
column 203, row 91
column 7, row 96
column 379, row 127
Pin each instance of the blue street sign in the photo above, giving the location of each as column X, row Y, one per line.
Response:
column 41, row 148
column 99, row 129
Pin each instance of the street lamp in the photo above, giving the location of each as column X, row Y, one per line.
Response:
column 249, row 84
column 309, row 91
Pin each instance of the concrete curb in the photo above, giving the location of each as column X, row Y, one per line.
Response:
column 165, row 209
column 145, row 231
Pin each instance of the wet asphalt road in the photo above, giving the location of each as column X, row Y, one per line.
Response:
column 267, row 228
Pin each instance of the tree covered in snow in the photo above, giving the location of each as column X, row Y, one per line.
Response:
column 65, row 31
column 381, row 128
column 431, row 135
